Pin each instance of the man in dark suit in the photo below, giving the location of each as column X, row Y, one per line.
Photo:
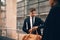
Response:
column 32, row 23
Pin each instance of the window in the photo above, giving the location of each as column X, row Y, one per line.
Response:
column 41, row 0
column 44, row 7
column 21, row 11
column 33, row 6
column 44, row 3
column 20, row 4
column 18, row 23
column 32, row 1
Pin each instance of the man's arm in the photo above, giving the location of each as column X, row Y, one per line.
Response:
column 41, row 24
column 24, row 27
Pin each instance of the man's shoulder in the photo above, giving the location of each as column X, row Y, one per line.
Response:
column 56, row 7
column 38, row 17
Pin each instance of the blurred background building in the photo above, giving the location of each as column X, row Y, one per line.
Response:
column 2, row 16
column 23, row 6
column 7, row 14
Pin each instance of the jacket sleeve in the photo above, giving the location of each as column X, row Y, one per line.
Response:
column 41, row 23
column 24, row 27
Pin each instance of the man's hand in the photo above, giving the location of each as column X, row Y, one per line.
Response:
column 33, row 29
column 30, row 31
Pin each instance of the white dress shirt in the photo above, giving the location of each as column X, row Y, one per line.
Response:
column 32, row 21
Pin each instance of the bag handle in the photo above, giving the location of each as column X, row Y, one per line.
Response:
column 36, row 32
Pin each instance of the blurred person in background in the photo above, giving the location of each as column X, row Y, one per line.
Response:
column 32, row 23
column 52, row 23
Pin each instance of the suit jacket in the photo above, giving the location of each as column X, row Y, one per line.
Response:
column 52, row 24
column 37, row 22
